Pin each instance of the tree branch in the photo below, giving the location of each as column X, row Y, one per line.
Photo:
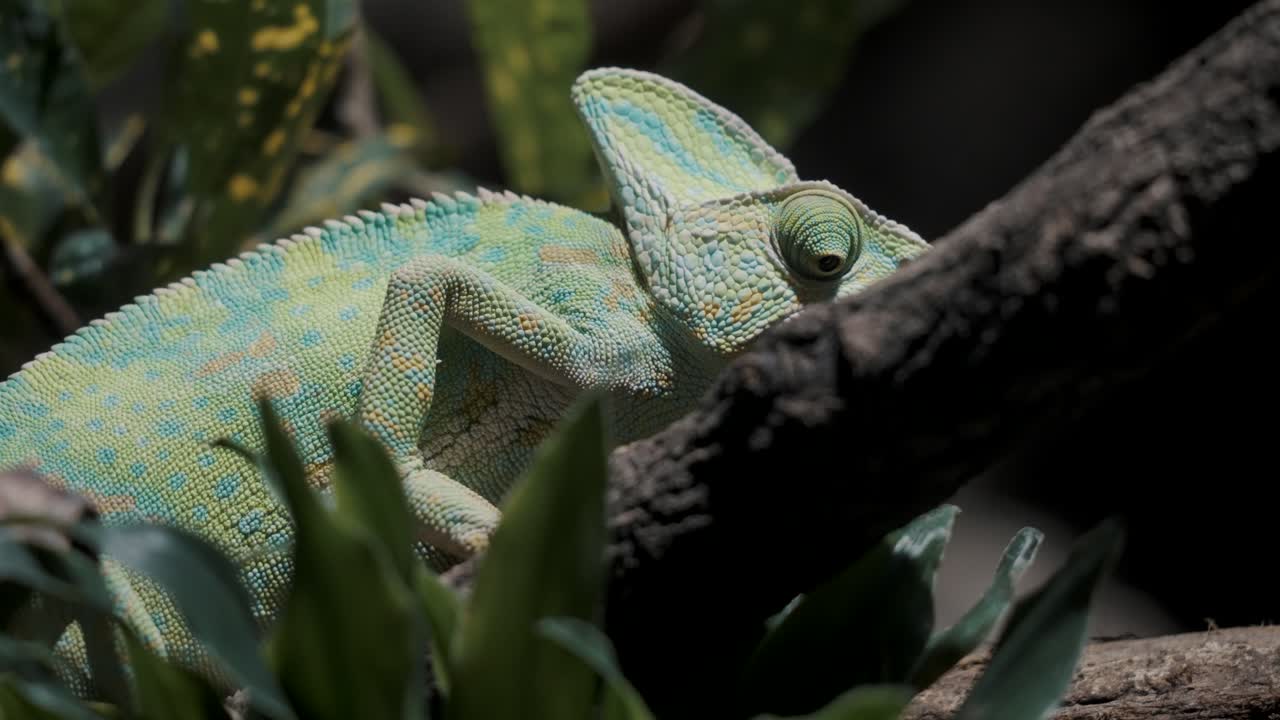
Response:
column 858, row 415
column 1222, row 674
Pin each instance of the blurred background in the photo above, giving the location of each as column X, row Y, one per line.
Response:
column 145, row 138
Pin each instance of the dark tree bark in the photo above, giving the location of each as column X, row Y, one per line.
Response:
column 1149, row 226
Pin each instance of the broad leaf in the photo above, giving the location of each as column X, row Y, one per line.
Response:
column 44, row 97
column 110, row 34
column 1036, row 656
column 866, row 625
column 544, row 560
column 335, row 662
column 443, row 610
column 869, row 702
column 948, row 647
column 168, row 691
column 248, row 80
column 36, row 700
column 531, row 53
column 206, row 589
column 594, row 649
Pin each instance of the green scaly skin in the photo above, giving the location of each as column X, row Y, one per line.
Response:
column 456, row 330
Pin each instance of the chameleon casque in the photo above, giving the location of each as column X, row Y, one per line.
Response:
column 457, row 331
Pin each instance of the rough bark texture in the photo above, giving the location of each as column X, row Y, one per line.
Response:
column 1151, row 223
column 1221, row 674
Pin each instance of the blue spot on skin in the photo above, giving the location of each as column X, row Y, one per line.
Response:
column 111, row 402
column 167, row 404
column 349, row 313
column 353, row 388
column 200, row 513
column 251, row 522
column 205, row 459
column 227, row 414
column 362, row 284
column 57, row 424
column 91, row 389
column 7, row 431
column 561, row 294
column 162, row 454
column 138, row 469
column 274, row 294
column 226, row 486
column 168, row 428
column 278, row 539
column 315, row 282
column 34, row 409
column 200, row 403
column 311, row 338
column 151, row 375
column 177, row 480
column 95, row 424
column 120, row 430
column 494, row 254
column 138, row 407
column 106, row 455
column 65, row 395
column 300, row 310
column 347, row 362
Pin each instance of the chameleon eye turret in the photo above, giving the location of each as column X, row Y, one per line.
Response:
column 818, row 234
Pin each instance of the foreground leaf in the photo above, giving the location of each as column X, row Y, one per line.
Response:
column 335, row 662
column 167, row 691
column 866, row 625
column 205, row 587
column 544, row 560
column 593, row 648
column 869, row 702
column 1035, row 658
column 109, row 34
column 443, row 610
column 948, row 647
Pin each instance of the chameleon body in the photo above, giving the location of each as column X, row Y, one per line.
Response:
column 456, row 330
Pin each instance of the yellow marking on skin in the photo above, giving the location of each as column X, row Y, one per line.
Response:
column 272, row 144
column 204, row 43
column 241, row 187
column 263, row 346
column 247, row 96
column 286, row 37
column 277, row 384
column 220, row 363
column 423, row 392
column 528, row 322
column 710, row 310
column 744, row 309
column 405, row 363
column 558, row 254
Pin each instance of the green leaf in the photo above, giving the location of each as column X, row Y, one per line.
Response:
column 81, row 254
column 248, row 80
column 370, row 494
column 443, row 610
column 39, row 701
column 110, row 34
column 404, row 110
column 868, row 702
column 354, row 175
column 593, row 648
column 44, row 96
column 205, row 587
column 794, row 54
column 1034, row 660
column 31, row 196
column 348, row 641
column 544, row 560
column 948, row 647
column 67, row 576
column 168, row 691
column 866, row 625
column 531, row 53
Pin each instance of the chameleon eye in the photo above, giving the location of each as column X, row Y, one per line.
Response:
column 818, row 234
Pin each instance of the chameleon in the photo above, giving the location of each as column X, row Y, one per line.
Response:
column 456, row 331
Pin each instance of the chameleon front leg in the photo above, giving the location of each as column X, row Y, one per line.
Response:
column 399, row 379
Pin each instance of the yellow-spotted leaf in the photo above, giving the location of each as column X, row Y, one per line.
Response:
column 531, row 53
column 247, row 82
column 110, row 34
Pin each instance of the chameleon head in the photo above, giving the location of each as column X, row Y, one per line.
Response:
column 726, row 236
